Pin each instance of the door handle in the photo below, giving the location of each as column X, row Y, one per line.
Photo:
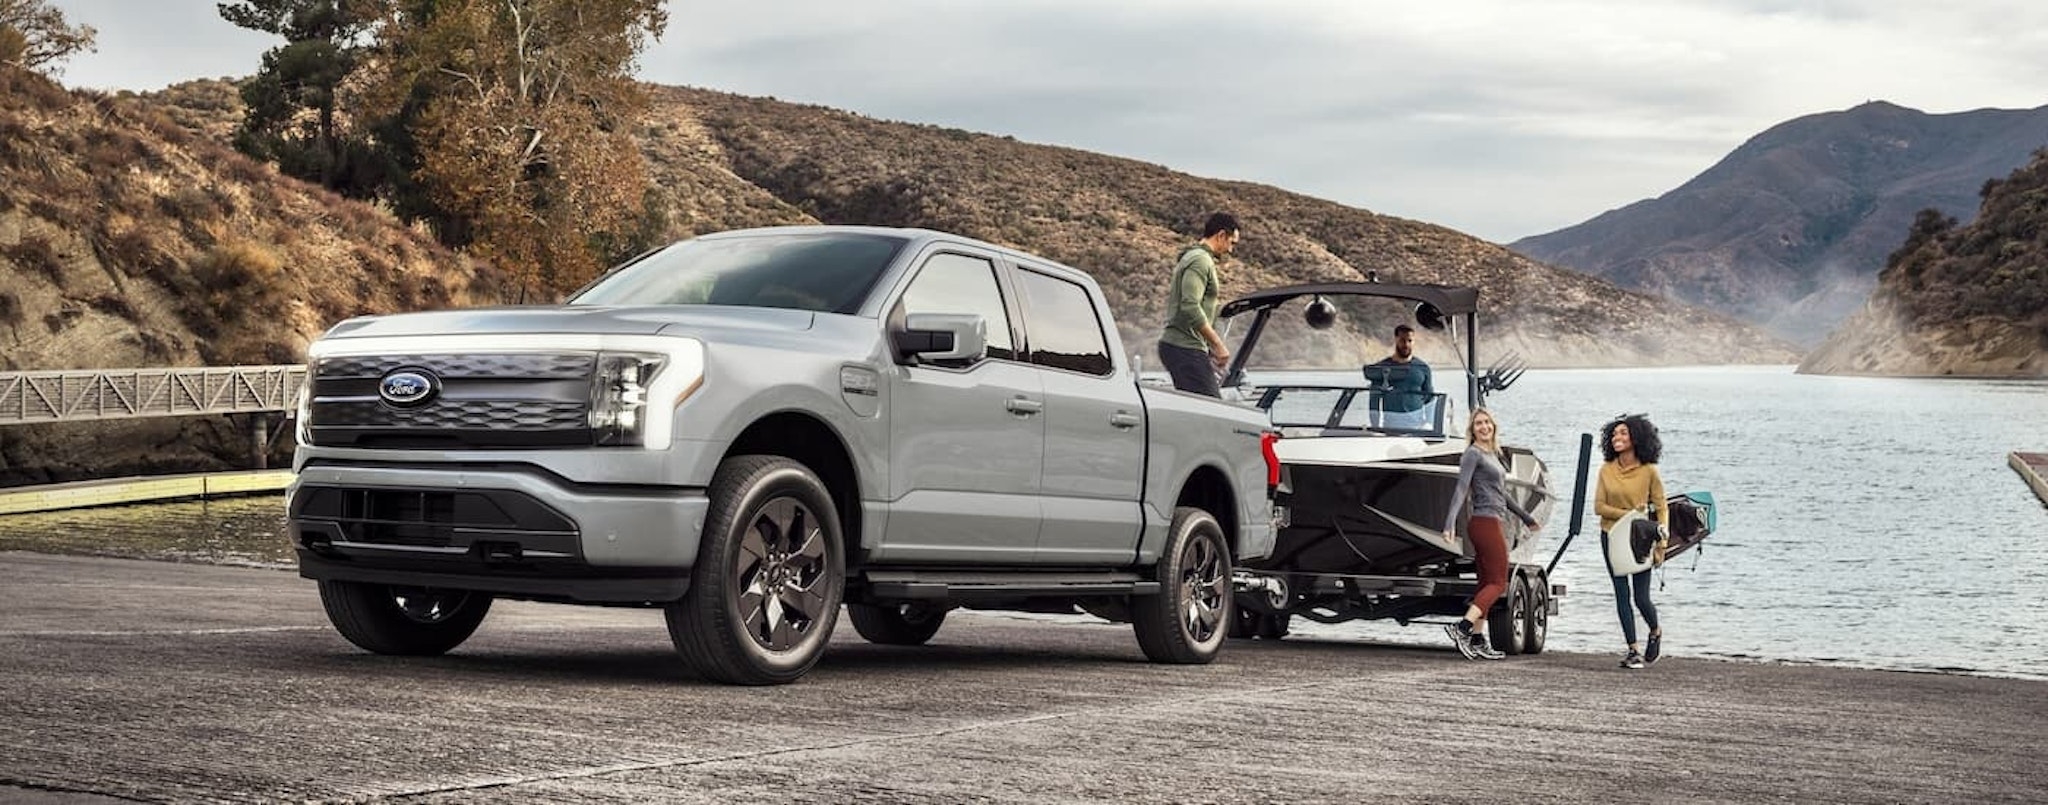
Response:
column 1123, row 420
column 1023, row 405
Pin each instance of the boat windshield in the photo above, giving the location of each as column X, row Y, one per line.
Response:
column 1341, row 410
column 829, row 272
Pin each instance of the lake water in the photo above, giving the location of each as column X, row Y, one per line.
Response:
column 1865, row 522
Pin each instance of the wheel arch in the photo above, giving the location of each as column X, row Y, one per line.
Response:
column 812, row 442
column 1208, row 488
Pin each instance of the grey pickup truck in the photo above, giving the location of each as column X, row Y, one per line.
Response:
column 752, row 428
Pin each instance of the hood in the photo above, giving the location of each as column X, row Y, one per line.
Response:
column 647, row 320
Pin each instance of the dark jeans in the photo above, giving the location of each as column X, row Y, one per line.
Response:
column 1640, row 580
column 1191, row 369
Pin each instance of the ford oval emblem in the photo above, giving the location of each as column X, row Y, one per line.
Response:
column 408, row 387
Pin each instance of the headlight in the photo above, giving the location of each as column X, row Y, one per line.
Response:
column 618, row 398
column 302, row 412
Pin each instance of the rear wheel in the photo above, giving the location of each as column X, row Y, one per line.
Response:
column 404, row 621
column 1186, row 621
column 769, row 577
column 911, row 624
column 1507, row 625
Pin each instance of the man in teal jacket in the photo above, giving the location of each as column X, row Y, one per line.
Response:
column 1403, row 395
column 1190, row 348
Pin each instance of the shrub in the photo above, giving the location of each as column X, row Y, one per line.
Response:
column 237, row 264
column 34, row 253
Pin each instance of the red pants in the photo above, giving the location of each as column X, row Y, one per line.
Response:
column 1490, row 550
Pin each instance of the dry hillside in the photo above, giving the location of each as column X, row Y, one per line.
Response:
column 1968, row 301
column 126, row 240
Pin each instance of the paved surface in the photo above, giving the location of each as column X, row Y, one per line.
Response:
column 157, row 681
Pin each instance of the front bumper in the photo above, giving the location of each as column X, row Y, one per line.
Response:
column 511, row 530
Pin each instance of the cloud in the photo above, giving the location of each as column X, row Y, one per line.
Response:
column 1502, row 118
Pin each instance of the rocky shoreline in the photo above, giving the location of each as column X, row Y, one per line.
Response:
column 1880, row 340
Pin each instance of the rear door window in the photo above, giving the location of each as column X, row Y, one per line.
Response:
column 1064, row 329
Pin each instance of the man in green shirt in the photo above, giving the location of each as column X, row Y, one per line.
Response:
column 1190, row 348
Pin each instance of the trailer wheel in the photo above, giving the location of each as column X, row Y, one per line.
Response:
column 769, row 578
column 1508, row 623
column 1185, row 623
column 1248, row 623
column 1539, row 614
column 911, row 624
column 403, row 621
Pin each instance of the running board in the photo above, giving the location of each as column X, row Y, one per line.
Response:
column 930, row 584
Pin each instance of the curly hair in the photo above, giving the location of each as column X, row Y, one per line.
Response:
column 1643, row 435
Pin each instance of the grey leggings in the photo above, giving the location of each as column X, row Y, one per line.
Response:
column 1641, row 581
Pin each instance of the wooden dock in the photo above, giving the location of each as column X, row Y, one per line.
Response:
column 117, row 491
column 2034, row 468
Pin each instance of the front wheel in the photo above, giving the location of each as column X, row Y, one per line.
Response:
column 897, row 624
column 769, row 578
column 403, row 621
column 1186, row 621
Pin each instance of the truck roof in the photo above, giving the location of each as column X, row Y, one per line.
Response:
column 917, row 238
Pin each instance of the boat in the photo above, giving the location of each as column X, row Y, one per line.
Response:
column 1368, row 473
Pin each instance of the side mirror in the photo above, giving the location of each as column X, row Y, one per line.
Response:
column 1429, row 317
column 942, row 337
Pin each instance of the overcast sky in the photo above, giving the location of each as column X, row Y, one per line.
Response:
column 1501, row 118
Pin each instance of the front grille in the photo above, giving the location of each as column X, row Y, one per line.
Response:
column 488, row 414
column 482, row 400
column 487, row 366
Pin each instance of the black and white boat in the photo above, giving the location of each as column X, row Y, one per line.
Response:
column 1368, row 475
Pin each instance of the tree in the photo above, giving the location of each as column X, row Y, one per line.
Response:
column 34, row 35
column 517, row 113
column 293, row 100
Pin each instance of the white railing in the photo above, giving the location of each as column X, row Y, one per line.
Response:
column 88, row 394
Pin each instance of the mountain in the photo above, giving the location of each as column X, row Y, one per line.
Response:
column 131, row 235
column 1791, row 229
column 1958, row 300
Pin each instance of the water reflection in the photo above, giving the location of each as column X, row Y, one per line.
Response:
column 229, row 531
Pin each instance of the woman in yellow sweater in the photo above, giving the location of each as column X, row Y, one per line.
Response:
column 1629, row 481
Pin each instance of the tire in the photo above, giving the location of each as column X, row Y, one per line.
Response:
column 1539, row 614
column 1244, row 624
column 897, row 624
column 1187, row 621
column 1507, row 624
column 1275, row 626
column 1247, row 623
column 769, row 578
column 403, row 621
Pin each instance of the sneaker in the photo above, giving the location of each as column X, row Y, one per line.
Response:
column 1483, row 649
column 1632, row 661
column 1655, row 649
column 1462, row 640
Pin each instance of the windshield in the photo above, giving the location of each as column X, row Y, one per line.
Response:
column 1337, row 409
column 825, row 272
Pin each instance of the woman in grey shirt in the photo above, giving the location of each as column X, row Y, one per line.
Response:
column 1481, row 475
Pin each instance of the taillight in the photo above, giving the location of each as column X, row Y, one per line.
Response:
column 1266, row 442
